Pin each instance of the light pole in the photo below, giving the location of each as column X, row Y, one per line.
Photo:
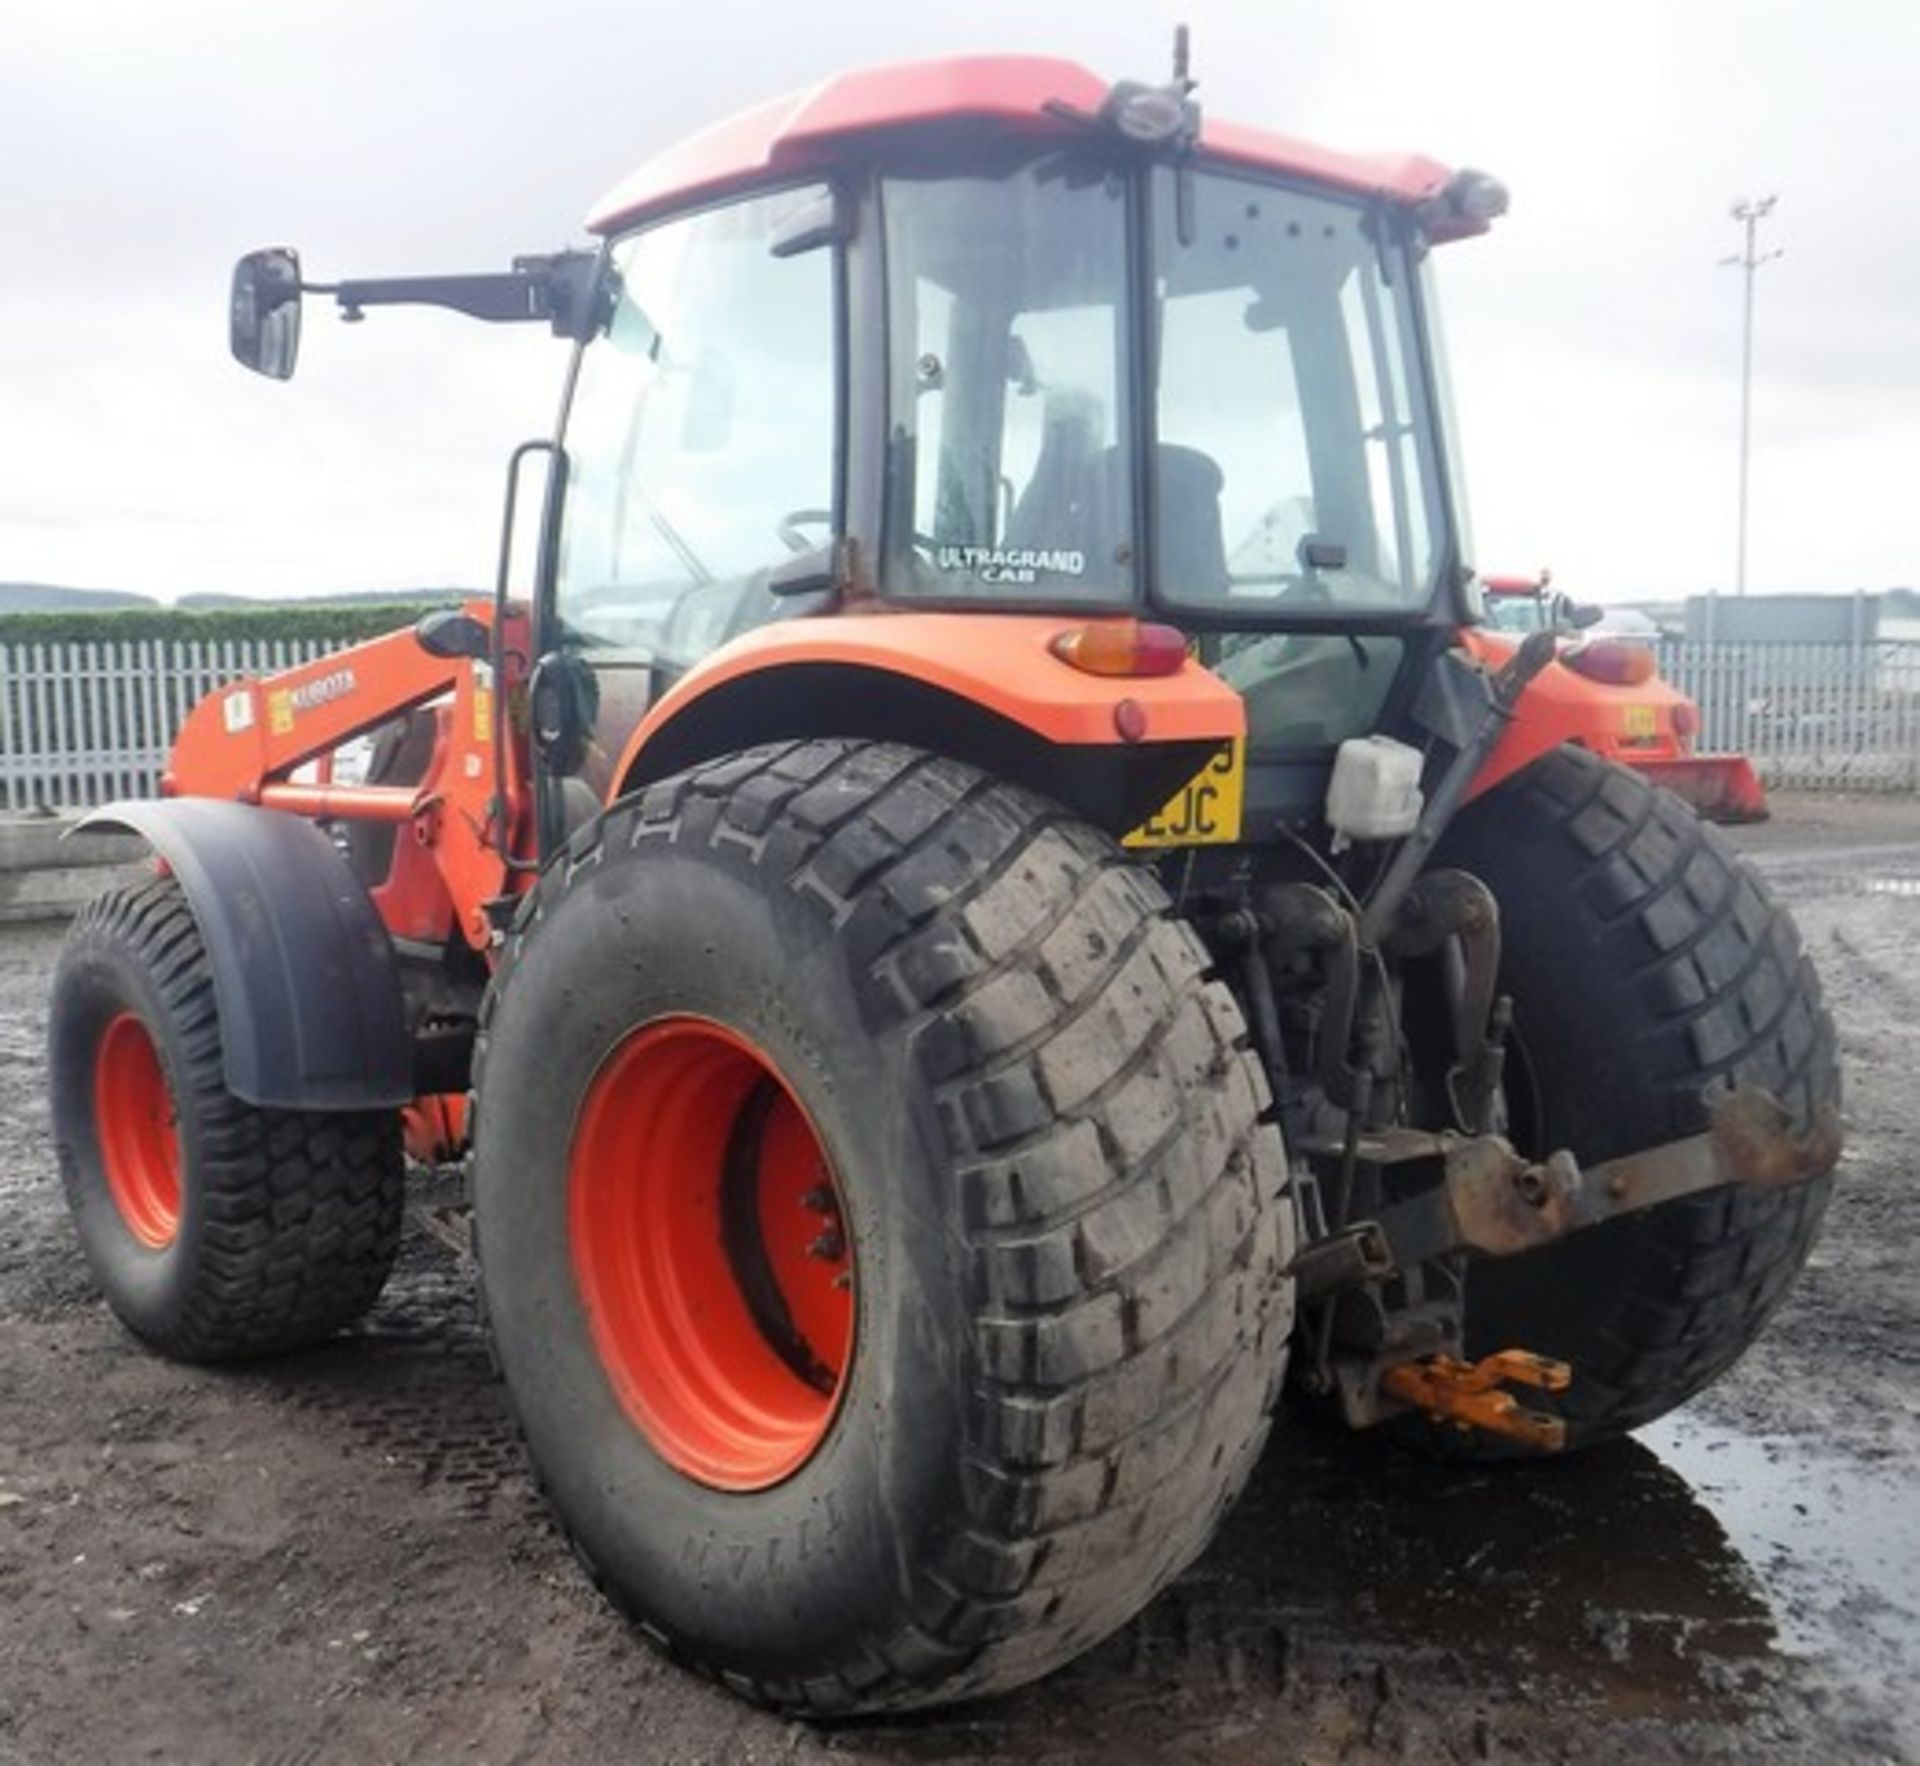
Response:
column 1749, row 212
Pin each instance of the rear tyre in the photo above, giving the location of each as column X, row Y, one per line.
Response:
column 878, row 1230
column 215, row 1229
column 1650, row 970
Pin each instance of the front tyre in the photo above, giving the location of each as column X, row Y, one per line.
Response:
column 878, row 1232
column 215, row 1228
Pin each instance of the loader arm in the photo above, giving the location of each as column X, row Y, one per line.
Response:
column 469, row 813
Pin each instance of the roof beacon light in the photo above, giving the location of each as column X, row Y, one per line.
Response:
column 1147, row 113
column 1154, row 116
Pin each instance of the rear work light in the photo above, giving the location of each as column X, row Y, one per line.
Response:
column 1614, row 664
column 1122, row 647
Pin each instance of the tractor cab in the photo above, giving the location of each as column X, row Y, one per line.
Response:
column 989, row 337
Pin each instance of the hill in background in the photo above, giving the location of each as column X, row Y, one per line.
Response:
column 49, row 598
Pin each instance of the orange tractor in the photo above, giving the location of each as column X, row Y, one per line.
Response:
column 1654, row 729
column 986, row 914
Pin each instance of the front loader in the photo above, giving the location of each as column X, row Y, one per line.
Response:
column 989, row 914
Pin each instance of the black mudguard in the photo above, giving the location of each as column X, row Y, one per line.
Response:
column 305, row 979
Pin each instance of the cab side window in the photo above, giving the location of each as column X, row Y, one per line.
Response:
column 701, row 435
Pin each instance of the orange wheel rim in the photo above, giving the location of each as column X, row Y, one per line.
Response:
column 139, row 1132
column 711, row 1249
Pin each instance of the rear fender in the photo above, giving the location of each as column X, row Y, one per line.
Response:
column 304, row 977
column 981, row 688
column 1560, row 705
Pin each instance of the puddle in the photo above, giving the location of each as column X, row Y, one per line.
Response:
column 1692, row 1577
column 1833, row 1542
column 1820, row 885
column 1602, row 1571
column 1843, row 871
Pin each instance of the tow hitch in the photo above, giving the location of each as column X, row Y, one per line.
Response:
column 1467, row 1393
column 1493, row 1202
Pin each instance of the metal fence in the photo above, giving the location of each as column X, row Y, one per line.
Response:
column 1825, row 716
column 82, row 724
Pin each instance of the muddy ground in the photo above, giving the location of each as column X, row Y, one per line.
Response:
column 339, row 1556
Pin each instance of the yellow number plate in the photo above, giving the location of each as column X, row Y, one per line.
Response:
column 1205, row 811
column 1639, row 720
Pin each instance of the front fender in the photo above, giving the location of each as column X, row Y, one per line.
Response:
column 304, row 977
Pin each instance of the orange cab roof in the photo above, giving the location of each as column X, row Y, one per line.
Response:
column 810, row 131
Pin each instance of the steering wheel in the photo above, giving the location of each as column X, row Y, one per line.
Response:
column 788, row 528
column 789, row 525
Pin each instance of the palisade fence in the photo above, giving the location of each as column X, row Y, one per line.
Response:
column 1813, row 716
column 84, row 723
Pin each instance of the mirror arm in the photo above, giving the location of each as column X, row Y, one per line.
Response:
column 558, row 288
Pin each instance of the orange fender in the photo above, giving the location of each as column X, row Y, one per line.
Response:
column 912, row 676
column 1634, row 725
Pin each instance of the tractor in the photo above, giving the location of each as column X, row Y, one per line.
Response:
column 1655, row 731
column 979, row 912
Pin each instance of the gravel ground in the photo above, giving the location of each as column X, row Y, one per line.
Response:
column 340, row 1556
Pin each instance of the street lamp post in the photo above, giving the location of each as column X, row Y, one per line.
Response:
column 1749, row 212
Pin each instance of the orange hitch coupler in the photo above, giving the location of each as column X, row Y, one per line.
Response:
column 1468, row 1395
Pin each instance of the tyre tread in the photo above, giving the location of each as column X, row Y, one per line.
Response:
column 1726, row 997
column 301, row 1210
column 1054, row 1005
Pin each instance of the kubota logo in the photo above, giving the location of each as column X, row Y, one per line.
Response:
column 286, row 703
column 318, row 692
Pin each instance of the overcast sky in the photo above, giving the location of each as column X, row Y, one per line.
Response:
column 1594, row 335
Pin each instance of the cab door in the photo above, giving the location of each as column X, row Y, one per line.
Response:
column 700, row 438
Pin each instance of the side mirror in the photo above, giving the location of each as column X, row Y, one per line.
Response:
column 450, row 633
column 263, row 318
column 1568, row 615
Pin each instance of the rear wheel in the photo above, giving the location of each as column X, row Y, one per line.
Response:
column 715, row 1270
column 215, row 1229
column 1650, row 969
column 878, row 1230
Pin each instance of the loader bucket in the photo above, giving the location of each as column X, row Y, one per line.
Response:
column 1721, row 787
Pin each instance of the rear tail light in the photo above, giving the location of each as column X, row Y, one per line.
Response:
column 1685, row 718
column 1614, row 664
column 1122, row 647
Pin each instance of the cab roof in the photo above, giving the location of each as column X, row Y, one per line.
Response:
column 811, row 131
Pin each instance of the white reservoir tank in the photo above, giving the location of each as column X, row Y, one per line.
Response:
column 1375, row 790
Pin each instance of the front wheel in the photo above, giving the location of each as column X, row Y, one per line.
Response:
column 879, row 1234
column 1650, row 969
column 215, row 1228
